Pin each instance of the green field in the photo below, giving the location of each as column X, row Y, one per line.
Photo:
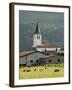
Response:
column 46, row 71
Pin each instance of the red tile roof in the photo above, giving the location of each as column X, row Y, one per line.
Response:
column 47, row 56
column 48, row 46
column 24, row 53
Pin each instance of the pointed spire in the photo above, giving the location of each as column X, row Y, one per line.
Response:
column 37, row 29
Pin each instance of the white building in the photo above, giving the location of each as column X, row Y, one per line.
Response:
column 48, row 47
column 37, row 42
column 41, row 54
column 37, row 37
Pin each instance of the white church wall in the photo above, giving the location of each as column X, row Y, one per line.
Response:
column 37, row 41
column 58, row 49
column 48, row 49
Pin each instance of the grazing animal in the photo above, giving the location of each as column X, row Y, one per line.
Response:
column 35, row 69
column 28, row 66
column 45, row 68
column 28, row 70
column 41, row 70
column 24, row 70
column 56, row 70
column 55, row 65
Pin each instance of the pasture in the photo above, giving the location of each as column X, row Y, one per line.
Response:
column 46, row 71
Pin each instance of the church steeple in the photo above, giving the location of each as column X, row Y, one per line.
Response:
column 37, row 29
column 37, row 38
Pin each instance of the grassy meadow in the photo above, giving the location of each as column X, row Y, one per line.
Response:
column 46, row 71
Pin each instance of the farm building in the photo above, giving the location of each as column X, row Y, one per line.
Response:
column 28, row 58
column 52, row 59
column 41, row 53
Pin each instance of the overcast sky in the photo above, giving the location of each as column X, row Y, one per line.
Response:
column 51, row 26
column 45, row 19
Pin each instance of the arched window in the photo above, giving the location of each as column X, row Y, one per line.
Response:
column 50, row 60
column 58, row 60
column 45, row 50
column 39, row 37
column 31, row 61
column 37, row 61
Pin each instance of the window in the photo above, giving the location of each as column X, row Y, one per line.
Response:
column 37, row 61
column 31, row 61
column 56, row 49
column 38, row 37
column 58, row 60
column 50, row 61
column 45, row 50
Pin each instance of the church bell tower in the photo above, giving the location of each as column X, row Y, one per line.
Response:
column 37, row 38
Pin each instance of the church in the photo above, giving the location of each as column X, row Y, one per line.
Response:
column 39, row 46
column 41, row 54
